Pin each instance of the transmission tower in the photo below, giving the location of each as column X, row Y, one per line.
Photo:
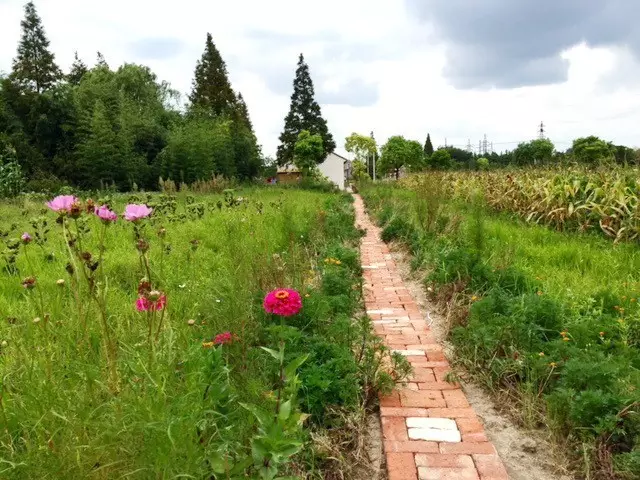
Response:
column 469, row 147
column 541, row 131
column 485, row 145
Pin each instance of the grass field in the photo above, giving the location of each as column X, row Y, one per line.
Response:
column 96, row 384
column 547, row 318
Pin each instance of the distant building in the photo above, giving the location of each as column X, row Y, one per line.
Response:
column 288, row 174
column 337, row 169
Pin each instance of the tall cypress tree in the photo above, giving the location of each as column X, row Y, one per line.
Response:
column 78, row 69
column 245, row 143
column 428, row 146
column 242, row 112
column 34, row 66
column 304, row 114
column 101, row 62
column 211, row 91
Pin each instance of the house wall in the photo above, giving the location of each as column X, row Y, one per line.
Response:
column 286, row 178
column 333, row 169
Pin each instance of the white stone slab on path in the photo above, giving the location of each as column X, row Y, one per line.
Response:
column 410, row 353
column 435, row 423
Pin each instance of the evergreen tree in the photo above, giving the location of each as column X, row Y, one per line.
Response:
column 101, row 62
column 304, row 114
column 211, row 91
column 78, row 69
column 428, row 147
column 34, row 66
column 242, row 112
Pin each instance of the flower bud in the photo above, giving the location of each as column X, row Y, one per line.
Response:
column 26, row 238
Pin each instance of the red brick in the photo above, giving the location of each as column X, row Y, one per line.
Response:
column 478, row 437
column 467, row 448
column 410, row 446
column 436, row 357
column 438, row 386
column 403, row 412
column 395, row 428
column 401, row 466
column 422, row 398
column 490, row 467
column 444, row 460
column 427, row 473
column 421, row 374
column 392, row 400
column 455, row 399
column 451, row 412
column 469, row 425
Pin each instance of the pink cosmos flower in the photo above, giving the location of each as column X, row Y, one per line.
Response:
column 144, row 304
column 62, row 203
column 284, row 302
column 223, row 338
column 26, row 238
column 134, row 212
column 105, row 214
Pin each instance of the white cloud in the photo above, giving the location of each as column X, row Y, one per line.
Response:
column 384, row 71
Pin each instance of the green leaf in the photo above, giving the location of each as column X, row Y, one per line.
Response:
column 293, row 366
column 274, row 353
column 285, row 410
column 263, row 417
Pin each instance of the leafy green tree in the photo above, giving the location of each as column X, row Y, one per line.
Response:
column 304, row 114
column 211, row 92
column 592, row 150
column 12, row 180
column 34, row 66
column 440, row 159
column 361, row 146
column 459, row 157
column 308, row 152
column 534, row 152
column 197, row 150
column 625, row 155
column 483, row 163
column 248, row 157
column 103, row 154
column 428, row 147
column 78, row 69
column 399, row 152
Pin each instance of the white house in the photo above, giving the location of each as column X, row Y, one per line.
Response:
column 337, row 169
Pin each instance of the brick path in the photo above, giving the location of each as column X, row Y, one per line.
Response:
column 430, row 431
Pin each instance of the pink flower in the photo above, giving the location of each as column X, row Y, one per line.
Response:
column 62, row 203
column 26, row 238
column 223, row 338
column 134, row 212
column 284, row 302
column 144, row 304
column 105, row 214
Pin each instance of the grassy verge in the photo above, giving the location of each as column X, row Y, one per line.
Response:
column 207, row 385
column 548, row 318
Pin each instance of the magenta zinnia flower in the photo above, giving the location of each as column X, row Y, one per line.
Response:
column 62, row 203
column 134, row 212
column 105, row 214
column 144, row 304
column 223, row 338
column 284, row 302
column 26, row 238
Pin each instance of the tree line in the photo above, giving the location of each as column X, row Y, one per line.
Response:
column 102, row 127
column 399, row 154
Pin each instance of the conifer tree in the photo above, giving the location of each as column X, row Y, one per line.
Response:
column 211, row 91
column 242, row 112
column 304, row 114
column 428, row 146
column 78, row 69
column 34, row 66
column 101, row 62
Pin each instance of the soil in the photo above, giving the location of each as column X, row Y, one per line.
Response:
column 526, row 454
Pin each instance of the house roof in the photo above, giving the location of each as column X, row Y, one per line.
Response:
column 340, row 156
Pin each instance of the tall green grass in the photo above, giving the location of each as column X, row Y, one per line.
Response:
column 550, row 318
column 177, row 409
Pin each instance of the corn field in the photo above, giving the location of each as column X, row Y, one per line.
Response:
column 569, row 199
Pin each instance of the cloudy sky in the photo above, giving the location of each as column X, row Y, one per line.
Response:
column 457, row 69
